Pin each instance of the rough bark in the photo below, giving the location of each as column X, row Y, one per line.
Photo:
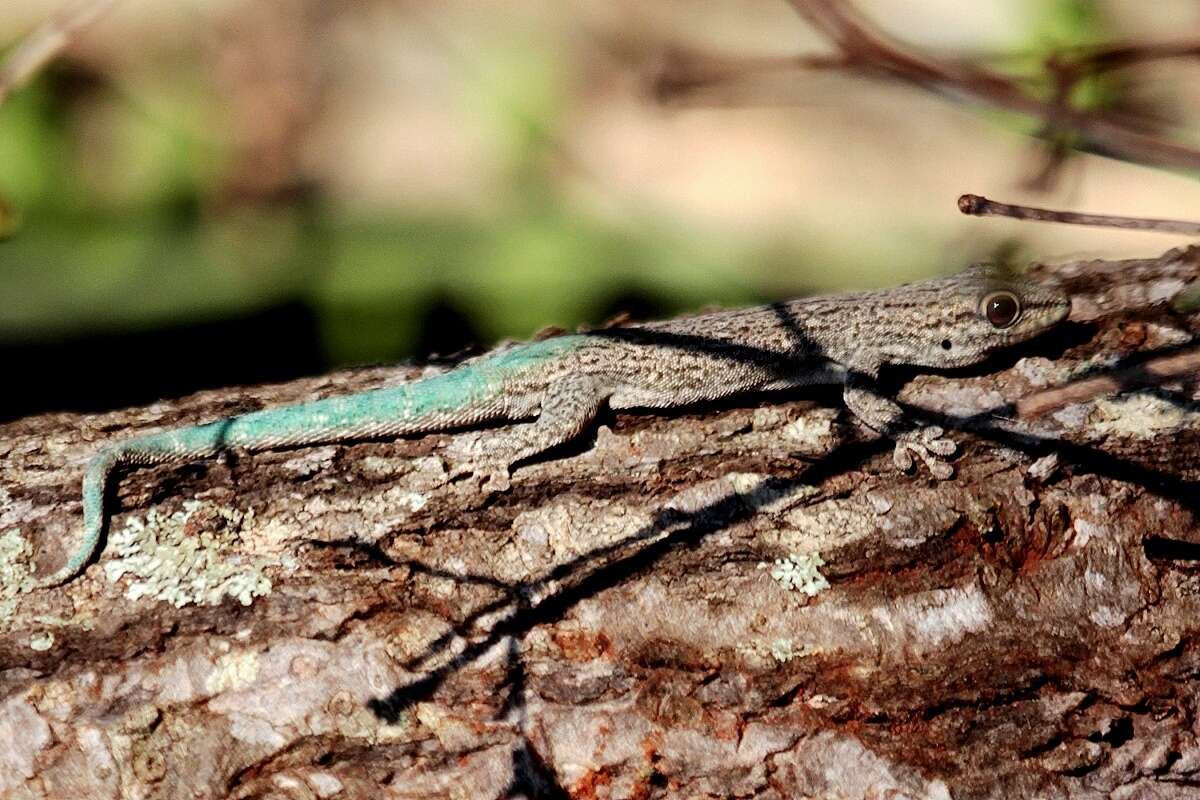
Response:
column 344, row 621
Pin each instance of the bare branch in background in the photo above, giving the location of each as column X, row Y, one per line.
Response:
column 869, row 51
column 1119, row 56
column 47, row 40
column 684, row 71
column 864, row 50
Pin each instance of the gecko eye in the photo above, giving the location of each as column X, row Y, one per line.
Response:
column 1002, row 309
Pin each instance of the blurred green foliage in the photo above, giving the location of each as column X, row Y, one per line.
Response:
column 130, row 230
column 132, row 236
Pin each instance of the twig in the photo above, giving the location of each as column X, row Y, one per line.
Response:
column 863, row 49
column 982, row 207
column 870, row 51
column 684, row 71
column 1118, row 56
column 1150, row 373
column 46, row 41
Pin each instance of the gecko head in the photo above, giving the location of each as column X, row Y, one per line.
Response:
column 985, row 308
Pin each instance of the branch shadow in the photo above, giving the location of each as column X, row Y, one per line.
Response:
column 534, row 602
column 779, row 363
column 527, row 604
column 1085, row 458
column 532, row 777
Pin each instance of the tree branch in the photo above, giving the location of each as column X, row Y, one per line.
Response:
column 633, row 617
column 863, row 49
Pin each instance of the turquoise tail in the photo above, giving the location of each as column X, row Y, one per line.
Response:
column 463, row 395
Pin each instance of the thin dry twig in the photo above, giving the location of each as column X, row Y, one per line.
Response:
column 47, row 40
column 870, row 51
column 1119, row 56
column 976, row 205
column 685, row 71
column 863, row 49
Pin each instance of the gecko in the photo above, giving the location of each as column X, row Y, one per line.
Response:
column 555, row 387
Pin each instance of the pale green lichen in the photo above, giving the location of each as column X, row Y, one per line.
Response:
column 1139, row 416
column 15, row 572
column 41, row 641
column 799, row 572
column 168, row 562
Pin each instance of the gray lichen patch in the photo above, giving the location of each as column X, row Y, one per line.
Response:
column 424, row 473
column 1140, row 415
column 799, row 572
column 365, row 515
column 1042, row 372
column 928, row 621
column 907, row 520
column 188, row 557
column 811, row 434
column 15, row 555
column 310, row 462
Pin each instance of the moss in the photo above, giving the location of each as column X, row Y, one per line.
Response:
column 188, row 557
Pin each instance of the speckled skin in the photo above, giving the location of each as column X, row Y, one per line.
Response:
column 562, row 383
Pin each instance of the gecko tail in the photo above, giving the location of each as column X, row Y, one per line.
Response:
column 151, row 449
column 95, row 486
column 459, row 398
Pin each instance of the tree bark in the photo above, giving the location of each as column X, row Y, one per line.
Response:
column 347, row 621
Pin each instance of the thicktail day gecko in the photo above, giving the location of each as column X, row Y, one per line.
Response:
column 560, row 384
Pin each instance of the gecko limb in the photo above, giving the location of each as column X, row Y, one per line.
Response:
column 567, row 407
column 862, row 398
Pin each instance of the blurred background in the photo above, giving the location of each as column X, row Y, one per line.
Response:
column 197, row 193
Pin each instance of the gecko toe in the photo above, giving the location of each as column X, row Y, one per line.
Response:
column 942, row 447
column 926, row 445
column 939, row 469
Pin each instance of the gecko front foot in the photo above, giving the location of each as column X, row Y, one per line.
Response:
column 928, row 445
